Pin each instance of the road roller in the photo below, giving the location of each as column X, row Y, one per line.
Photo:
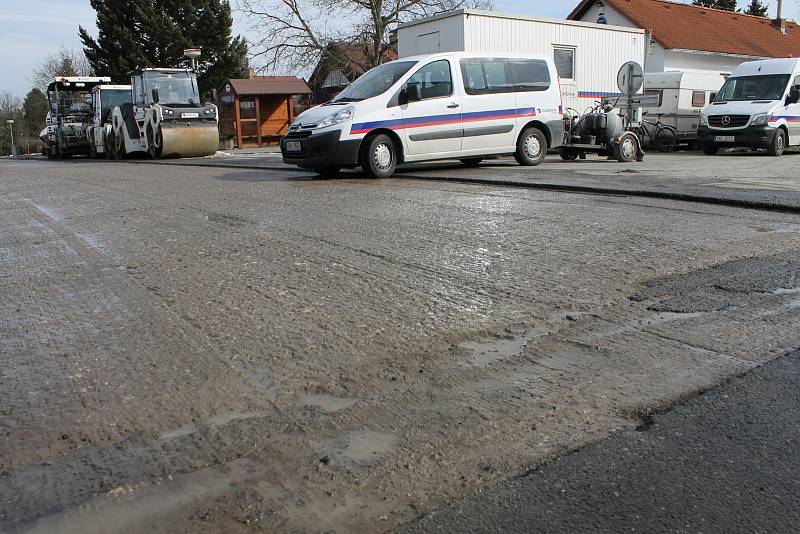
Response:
column 165, row 118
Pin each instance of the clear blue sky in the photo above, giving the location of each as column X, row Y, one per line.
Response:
column 31, row 29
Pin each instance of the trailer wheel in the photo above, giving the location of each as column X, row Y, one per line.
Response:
column 155, row 142
column 531, row 147
column 379, row 157
column 568, row 154
column 626, row 149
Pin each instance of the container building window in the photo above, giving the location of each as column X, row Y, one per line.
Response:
column 565, row 62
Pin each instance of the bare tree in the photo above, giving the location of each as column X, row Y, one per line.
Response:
column 10, row 108
column 297, row 34
column 63, row 62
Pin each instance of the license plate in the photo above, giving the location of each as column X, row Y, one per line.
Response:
column 724, row 139
column 292, row 146
column 189, row 115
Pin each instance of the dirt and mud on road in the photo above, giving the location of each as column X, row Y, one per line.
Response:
column 242, row 351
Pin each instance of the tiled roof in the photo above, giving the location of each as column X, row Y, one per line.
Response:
column 685, row 26
column 270, row 85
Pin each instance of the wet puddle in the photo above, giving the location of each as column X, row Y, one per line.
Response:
column 327, row 403
column 488, row 351
column 212, row 422
column 363, row 446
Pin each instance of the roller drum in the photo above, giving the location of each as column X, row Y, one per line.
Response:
column 189, row 141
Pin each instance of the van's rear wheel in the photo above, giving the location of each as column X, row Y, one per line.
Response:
column 379, row 156
column 710, row 149
column 778, row 144
column 531, row 147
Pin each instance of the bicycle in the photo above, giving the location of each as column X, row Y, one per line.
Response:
column 662, row 137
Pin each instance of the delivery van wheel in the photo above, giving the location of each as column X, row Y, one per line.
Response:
column 379, row 157
column 710, row 149
column 471, row 162
column 778, row 144
column 531, row 147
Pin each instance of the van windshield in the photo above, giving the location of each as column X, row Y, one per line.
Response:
column 743, row 88
column 374, row 82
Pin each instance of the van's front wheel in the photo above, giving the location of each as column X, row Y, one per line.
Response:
column 379, row 157
column 778, row 144
column 531, row 147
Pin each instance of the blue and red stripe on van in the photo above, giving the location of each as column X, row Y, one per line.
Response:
column 787, row 118
column 437, row 120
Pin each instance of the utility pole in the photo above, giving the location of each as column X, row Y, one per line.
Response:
column 11, row 128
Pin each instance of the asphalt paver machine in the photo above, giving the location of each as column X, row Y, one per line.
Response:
column 165, row 117
column 70, row 115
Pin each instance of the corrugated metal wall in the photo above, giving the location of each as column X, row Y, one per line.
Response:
column 599, row 52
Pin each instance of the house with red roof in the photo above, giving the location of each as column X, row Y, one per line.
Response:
column 685, row 37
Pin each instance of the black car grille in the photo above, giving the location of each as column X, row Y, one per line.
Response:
column 298, row 134
column 728, row 121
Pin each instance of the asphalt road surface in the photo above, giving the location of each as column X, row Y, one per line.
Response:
column 726, row 461
column 189, row 348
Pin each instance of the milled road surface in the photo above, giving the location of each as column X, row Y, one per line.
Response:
column 190, row 349
column 723, row 462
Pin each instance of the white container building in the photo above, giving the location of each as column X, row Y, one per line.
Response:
column 587, row 55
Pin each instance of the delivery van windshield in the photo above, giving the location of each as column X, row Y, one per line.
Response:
column 374, row 82
column 745, row 88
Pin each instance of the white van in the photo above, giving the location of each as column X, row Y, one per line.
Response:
column 757, row 107
column 680, row 96
column 455, row 105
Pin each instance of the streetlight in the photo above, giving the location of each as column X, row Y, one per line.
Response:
column 10, row 123
column 193, row 54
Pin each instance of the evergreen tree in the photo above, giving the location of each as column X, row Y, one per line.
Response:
column 729, row 5
column 154, row 33
column 35, row 108
column 757, row 8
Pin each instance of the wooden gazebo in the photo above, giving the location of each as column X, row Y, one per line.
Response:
column 258, row 111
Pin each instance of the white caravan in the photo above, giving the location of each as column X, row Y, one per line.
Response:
column 681, row 96
column 440, row 106
column 757, row 108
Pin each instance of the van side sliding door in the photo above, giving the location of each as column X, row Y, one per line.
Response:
column 489, row 109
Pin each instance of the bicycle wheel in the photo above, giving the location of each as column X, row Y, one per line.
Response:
column 644, row 134
column 666, row 139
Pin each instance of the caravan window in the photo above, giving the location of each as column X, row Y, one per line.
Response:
column 698, row 99
column 565, row 62
column 658, row 93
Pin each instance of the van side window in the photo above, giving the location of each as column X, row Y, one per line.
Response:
column 698, row 99
column 530, row 75
column 434, row 79
column 796, row 81
column 486, row 76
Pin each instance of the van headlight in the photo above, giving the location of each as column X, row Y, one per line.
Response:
column 761, row 119
column 703, row 119
column 343, row 115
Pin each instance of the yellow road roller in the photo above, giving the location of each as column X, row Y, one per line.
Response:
column 165, row 118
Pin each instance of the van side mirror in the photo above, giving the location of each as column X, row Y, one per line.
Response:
column 794, row 95
column 155, row 95
column 413, row 92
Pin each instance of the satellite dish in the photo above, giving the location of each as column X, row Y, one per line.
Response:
column 630, row 78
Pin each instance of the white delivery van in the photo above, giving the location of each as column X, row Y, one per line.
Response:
column 464, row 106
column 757, row 108
column 681, row 96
